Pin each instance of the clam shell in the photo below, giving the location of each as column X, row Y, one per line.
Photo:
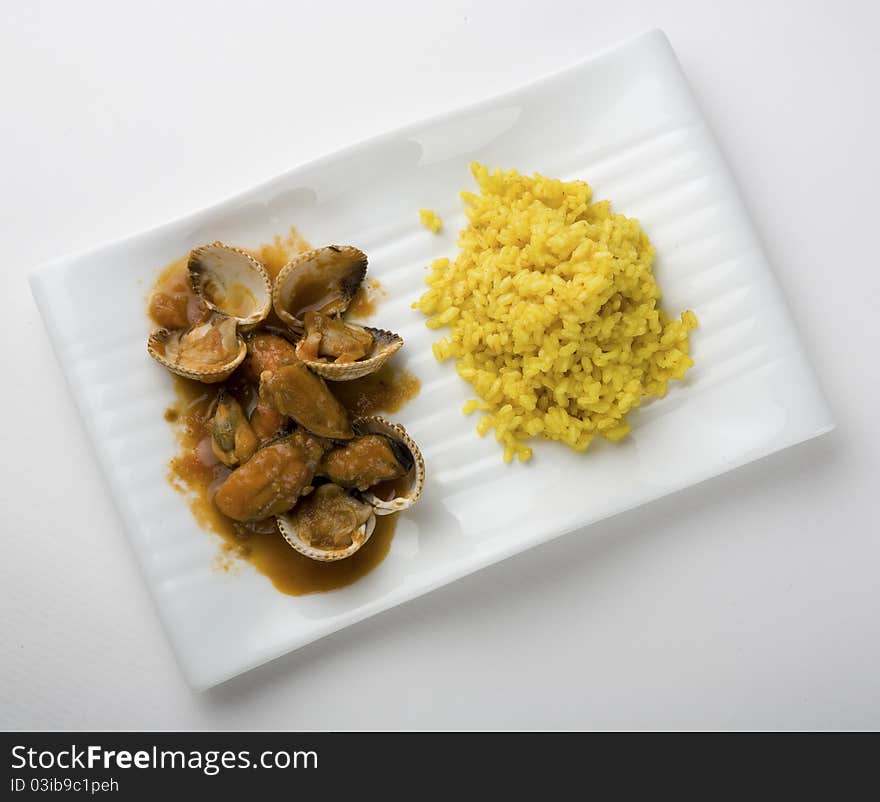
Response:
column 216, row 268
column 288, row 531
column 161, row 337
column 342, row 267
column 416, row 476
column 385, row 345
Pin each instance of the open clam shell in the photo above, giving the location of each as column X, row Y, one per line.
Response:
column 325, row 280
column 289, row 526
column 385, row 345
column 217, row 352
column 231, row 281
column 402, row 493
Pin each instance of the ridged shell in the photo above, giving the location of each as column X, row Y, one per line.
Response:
column 385, row 345
column 220, row 267
column 342, row 267
column 288, row 531
column 159, row 338
column 416, row 475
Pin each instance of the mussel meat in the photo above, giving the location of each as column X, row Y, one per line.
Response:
column 266, row 421
column 266, row 350
column 403, row 491
column 233, row 441
column 272, row 480
column 295, row 391
column 365, row 461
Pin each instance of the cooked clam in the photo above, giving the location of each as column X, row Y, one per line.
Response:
column 328, row 525
column 341, row 351
column 272, row 480
column 233, row 441
column 333, row 339
column 231, row 281
column 295, row 391
column 323, row 280
column 207, row 352
column 388, row 495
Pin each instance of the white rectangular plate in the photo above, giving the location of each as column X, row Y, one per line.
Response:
column 624, row 121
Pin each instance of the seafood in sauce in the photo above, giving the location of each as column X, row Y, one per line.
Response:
column 271, row 481
column 403, row 491
column 233, row 441
column 334, row 339
column 289, row 454
column 208, row 352
column 267, row 351
column 295, row 391
column 342, row 351
column 364, row 462
column 266, row 421
column 329, row 525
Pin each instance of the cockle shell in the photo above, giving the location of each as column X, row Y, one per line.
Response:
column 179, row 350
column 231, row 281
column 324, row 279
column 385, row 345
column 290, row 527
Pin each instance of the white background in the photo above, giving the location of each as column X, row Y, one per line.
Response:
column 751, row 601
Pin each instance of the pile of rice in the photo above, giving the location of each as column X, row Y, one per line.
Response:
column 553, row 313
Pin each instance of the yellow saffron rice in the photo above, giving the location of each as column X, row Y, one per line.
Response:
column 554, row 313
column 430, row 220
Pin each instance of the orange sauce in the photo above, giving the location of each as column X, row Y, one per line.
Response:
column 363, row 304
column 274, row 255
column 196, row 472
column 386, row 390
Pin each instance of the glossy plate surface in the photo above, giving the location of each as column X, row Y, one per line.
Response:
column 624, row 121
